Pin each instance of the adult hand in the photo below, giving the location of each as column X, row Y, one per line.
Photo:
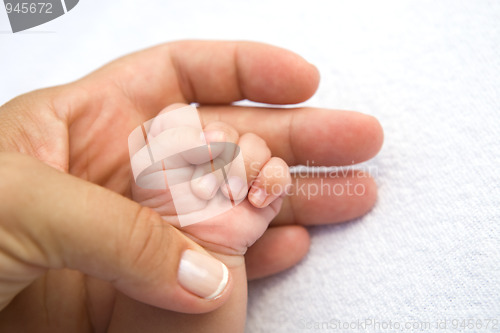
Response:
column 67, row 244
column 81, row 128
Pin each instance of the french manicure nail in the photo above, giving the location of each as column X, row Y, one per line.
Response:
column 202, row 275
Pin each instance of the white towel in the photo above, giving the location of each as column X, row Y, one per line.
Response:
column 430, row 71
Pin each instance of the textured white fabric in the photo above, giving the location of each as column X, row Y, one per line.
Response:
column 430, row 71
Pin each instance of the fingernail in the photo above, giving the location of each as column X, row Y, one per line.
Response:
column 237, row 186
column 202, row 275
column 257, row 196
column 207, row 185
column 213, row 136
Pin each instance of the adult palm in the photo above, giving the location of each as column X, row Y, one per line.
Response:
column 82, row 128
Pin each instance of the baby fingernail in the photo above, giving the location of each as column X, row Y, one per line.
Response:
column 202, row 275
column 257, row 196
column 206, row 186
column 238, row 187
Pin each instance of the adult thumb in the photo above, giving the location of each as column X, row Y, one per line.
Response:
column 52, row 220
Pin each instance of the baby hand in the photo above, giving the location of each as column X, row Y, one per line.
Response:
column 204, row 179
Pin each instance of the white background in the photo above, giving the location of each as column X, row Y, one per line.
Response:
column 429, row 70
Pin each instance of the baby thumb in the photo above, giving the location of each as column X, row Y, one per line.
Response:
column 53, row 220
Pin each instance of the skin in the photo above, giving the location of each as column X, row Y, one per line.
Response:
column 226, row 236
column 79, row 129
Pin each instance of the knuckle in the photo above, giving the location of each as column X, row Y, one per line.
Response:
column 11, row 177
column 20, row 241
column 149, row 236
column 258, row 146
